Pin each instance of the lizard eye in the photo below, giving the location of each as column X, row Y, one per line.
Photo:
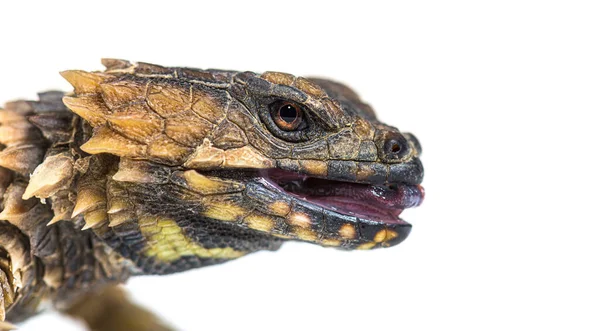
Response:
column 288, row 116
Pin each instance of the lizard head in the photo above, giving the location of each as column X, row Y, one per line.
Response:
column 268, row 155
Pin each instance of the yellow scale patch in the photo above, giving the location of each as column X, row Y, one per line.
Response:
column 167, row 242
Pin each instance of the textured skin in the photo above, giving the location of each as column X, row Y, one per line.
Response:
column 163, row 169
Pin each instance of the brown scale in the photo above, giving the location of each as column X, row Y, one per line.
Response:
column 160, row 169
column 32, row 258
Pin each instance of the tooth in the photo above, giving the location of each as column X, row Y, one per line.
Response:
column 88, row 199
column 50, row 176
column 108, row 141
column 90, row 108
column 83, row 81
column 94, row 218
column 22, row 159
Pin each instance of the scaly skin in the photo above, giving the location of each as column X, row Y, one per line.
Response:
column 167, row 169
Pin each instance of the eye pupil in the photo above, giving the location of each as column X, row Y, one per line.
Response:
column 287, row 116
column 288, row 113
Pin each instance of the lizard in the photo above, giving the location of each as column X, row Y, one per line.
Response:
column 150, row 170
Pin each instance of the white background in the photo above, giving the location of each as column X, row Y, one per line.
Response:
column 503, row 95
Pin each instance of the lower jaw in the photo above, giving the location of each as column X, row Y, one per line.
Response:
column 381, row 204
column 358, row 209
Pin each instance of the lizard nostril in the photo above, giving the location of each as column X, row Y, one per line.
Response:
column 394, row 148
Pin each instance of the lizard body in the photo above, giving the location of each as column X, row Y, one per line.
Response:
column 168, row 169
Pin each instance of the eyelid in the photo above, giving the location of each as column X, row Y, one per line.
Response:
column 296, row 135
column 289, row 93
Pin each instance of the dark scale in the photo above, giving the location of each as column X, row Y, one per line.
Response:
column 224, row 163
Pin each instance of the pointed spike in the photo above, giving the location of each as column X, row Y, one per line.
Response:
column 94, row 218
column 118, row 205
column 84, row 82
column 4, row 215
column 22, row 159
column 58, row 217
column 59, row 120
column 106, row 140
column 8, row 116
column 49, row 177
column 87, row 200
column 18, row 132
column 206, row 157
column 14, row 206
column 55, row 126
column 90, row 108
column 119, row 218
column 132, row 175
column 141, row 172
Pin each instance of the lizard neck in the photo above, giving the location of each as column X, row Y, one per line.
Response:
column 41, row 258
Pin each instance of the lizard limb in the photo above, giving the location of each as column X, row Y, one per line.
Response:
column 111, row 310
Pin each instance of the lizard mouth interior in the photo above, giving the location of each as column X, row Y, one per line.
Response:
column 381, row 203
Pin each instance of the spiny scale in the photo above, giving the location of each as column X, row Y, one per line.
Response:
column 21, row 158
column 84, row 82
column 94, row 218
column 89, row 199
column 53, row 175
column 164, row 170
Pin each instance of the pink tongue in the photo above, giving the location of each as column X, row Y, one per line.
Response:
column 371, row 202
column 383, row 203
column 361, row 209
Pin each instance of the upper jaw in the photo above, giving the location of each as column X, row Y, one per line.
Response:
column 410, row 172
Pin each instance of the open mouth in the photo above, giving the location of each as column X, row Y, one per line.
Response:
column 379, row 203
